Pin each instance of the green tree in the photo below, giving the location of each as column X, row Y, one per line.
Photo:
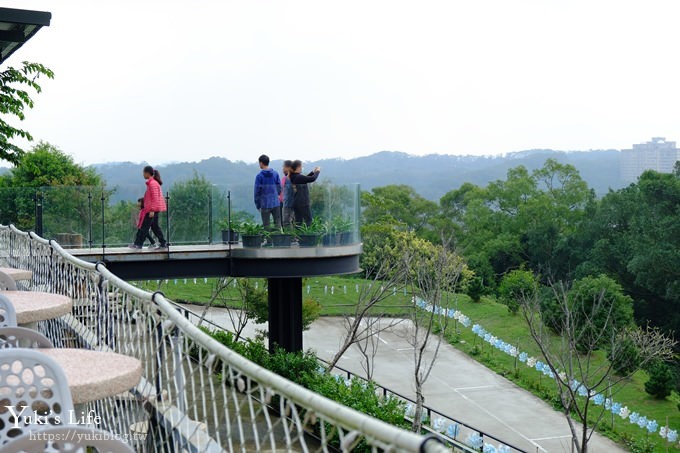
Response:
column 590, row 317
column 53, row 177
column 633, row 235
column 598, row 305
column 14, row 99
column 515, row 286
column 193, row 202
column 529, row 219
column 660, row 381
column 399, row 205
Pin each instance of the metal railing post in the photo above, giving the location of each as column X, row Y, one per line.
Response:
column 167, row 219
column 210, row 216
column 103, row 199
column 38, row 212
column 229, row 218
column 89, row 214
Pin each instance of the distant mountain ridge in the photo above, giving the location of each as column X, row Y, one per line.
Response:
column 432, row 176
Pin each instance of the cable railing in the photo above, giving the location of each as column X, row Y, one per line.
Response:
column 195, row 394
column 449, row 429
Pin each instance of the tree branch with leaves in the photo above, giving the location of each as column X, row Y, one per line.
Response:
column 15, row 98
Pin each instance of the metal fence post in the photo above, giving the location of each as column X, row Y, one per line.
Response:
column 167, row 219
column 229, row 219
column 210, row 216
column 103, row 198
column 38, row 199
column 89, row 214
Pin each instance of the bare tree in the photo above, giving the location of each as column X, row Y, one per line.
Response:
column 579, row 378
column 240, row 300
column 369, row 345
column 221, row 285
column 433, row 275
column 365, row 321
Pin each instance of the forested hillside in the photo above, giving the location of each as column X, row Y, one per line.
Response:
column 431, row 176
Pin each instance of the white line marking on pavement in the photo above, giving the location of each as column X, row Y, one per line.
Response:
column 380, row 338
column 492, row 415
column 566, row 436
column 475, row 388
column 404, row 349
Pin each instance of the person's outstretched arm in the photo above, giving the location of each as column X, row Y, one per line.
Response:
column 306, row 179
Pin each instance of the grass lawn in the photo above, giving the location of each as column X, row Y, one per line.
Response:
column 337, row 296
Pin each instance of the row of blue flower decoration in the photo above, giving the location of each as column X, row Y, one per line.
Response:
column 476, row 441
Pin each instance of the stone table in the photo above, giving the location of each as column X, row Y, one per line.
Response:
column 95, row 375
column 34, row 306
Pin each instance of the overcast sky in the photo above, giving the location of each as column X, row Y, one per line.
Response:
column 185, row 80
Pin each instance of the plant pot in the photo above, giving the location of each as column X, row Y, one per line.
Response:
column 309, row 240
column 346, row 238
column 252, row 241
column 281, row 240
column 229, row 237
column 330, row 239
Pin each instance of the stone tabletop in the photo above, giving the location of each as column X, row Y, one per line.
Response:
column 34, row 306
column 17, row 274
column 94, row 375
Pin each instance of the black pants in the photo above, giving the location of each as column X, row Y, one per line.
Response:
column 151, row 239
column 143, row 232
column 303, row 214
column 271, row 212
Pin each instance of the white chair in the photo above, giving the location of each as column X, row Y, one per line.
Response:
column 7, row 283
column 8, row 316
column 67, row 438
column 35, row 384
column 21, row 337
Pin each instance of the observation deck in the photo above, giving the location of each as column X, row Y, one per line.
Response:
column 95, row 224
column 224, row 260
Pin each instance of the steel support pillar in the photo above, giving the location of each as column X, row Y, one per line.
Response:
column 285, row 313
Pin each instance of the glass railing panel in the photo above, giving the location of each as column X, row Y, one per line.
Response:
column 189, row 212
column 116, row 218
column 199, row 213
column 67, row 214
column 18, row 207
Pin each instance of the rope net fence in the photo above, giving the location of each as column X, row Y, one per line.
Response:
column 195, row 395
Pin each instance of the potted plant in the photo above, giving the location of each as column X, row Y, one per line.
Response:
column 308, row 235
column 330, row 237
column 343, row 228
column 252, row 234
column 281, row 237
column 229, row 231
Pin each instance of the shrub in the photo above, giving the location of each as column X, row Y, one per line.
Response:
column 475, row 288
column 257, row 305
column 295, row 366
column 516, row 286
column 660, row 381
column 311, row 310
column 303, row 368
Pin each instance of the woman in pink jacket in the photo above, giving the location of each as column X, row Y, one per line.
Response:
column 154, row 203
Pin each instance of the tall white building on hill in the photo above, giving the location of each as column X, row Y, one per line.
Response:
column 657, row 154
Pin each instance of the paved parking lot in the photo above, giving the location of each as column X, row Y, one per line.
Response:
column 459, row 387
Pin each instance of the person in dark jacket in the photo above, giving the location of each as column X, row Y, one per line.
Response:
column 301, row 204
column 287, row 196
column 267, row 190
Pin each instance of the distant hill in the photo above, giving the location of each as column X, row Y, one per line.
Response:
column 432, row 176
